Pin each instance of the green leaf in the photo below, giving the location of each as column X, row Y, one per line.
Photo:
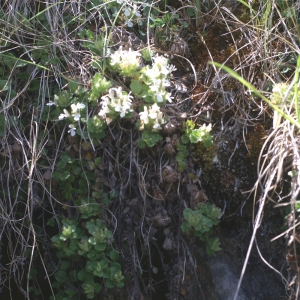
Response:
column 10, row 60
column 65, row 175
column 213, row 245
column 185, row 139
column 113, row 194
column 88, row 290
column 5, row 85
column 82, row 275
column 181, row 166
column 190, row 124
column 100, row 84
column 141, row 144
column 185, row 227
column 34, row 85
column 98, row 161
column 208, row 141
column 65, row 264
column 97, row 195
column 120, row 284
column 54, row 61
column 73, row 275
column 114, row 255
column 73, row 85
column 109, row 283
column 136, row 86
column 61, row 164
column 61, row 276
column 63, row 99
column 180, row 157
column 97, row 287
column 147, row 54
column 51, row 221
column 100, row 246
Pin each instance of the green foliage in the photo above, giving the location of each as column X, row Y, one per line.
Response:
column 149, row 139
column 78, row 183
column 200, row 222
column 96, row 127
column 87, row 246
column 193, row 135
column 148, row 89
column 181, row 156
column 85, row 252
column 83, row 244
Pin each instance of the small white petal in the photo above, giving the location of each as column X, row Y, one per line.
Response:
column 80, row 105
column 127, row 12
column 72, row 130
column 76, row 117
column 129, row 24
column 62, row 116
column 159, row 97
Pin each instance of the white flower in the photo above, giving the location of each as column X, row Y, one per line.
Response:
column 115, row 58
column 116, row 101
column 159, row 97
column 128, row 61
column 115, row 92
column 129, row 23
column 63, row 116
column 156, row 127
column 50, row 103
column 156, row 85
column 153, row 111
column 105, row 109
column 160, row 61
column 166, row 82
column 76, row 107
column 168, row 97
column 80, row 106
column 152, row 116
column 76, row 116
column 144, row 115
column 137, row 13
column 127, row 12
column 118, row 106
column 123, row 104
column 76, row 110
column 72, row 130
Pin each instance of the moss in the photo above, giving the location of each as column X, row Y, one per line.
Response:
column 255, row 141
column 204, row 155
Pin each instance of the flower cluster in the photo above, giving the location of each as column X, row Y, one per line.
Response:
column 75, row 112
column 116, row 103
column 126, row 62
column 157, row 79
column 151, row 117
column 75, row 116
column 131, row 13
